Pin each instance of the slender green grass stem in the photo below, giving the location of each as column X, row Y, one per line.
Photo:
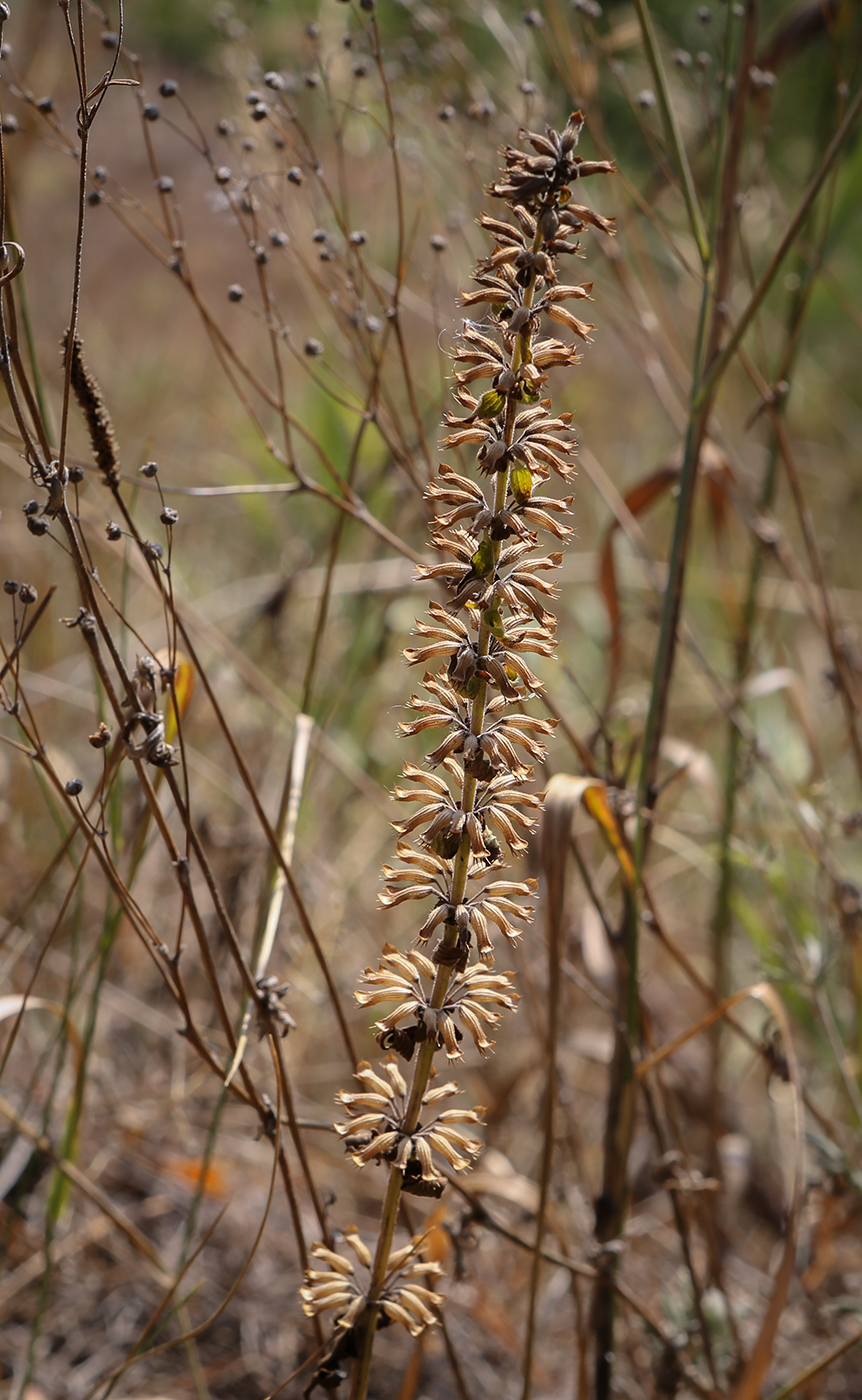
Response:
column 672, row 131
column 663, row 665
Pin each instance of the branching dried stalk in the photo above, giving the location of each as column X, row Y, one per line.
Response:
column 492, row 617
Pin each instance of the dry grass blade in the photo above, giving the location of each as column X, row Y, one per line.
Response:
column 804, row 1378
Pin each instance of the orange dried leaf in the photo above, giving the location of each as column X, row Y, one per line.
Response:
column 192, row 1169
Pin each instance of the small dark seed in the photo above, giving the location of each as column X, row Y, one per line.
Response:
column 235, row 292
column 152, row 111
column 74, row 786
column 149, row 469
column 28, row 594
column 169, row 88
column 169, row 516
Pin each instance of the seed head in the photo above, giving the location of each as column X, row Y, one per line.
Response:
column 493, row 588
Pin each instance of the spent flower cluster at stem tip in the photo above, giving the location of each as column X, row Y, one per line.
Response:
column 473, row 797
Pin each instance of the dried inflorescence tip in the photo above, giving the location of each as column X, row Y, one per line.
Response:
column 91, row 402
column 472, row 797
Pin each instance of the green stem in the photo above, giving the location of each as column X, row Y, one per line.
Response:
column 673, row 592
column 672, row 131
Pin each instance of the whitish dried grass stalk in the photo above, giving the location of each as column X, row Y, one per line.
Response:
column 473, row 795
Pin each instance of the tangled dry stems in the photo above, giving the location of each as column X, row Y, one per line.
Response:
column 496, row 617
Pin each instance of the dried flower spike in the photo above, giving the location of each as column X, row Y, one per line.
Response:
column 471, row 798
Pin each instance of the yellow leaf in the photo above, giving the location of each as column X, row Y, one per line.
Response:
column 183, row 689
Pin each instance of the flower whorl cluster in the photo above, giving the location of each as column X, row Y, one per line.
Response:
column 473, row 796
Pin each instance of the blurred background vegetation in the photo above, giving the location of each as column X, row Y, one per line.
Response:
column 278, row 313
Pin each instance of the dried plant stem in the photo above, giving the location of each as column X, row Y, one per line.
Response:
column 716, row 370
column 425, row 1055
column 497, row 587
column 721, row 922
column 716, row 257
column 799, row 1382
